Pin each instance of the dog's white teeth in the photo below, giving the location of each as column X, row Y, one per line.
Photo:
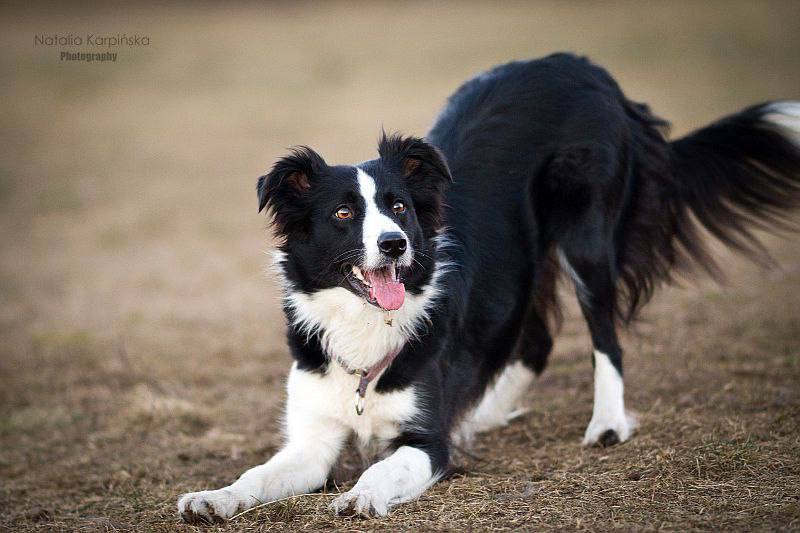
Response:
column 360, row 276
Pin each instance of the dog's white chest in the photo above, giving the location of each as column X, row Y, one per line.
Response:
column 332, row 396
column 353, row 330
column 360, row 335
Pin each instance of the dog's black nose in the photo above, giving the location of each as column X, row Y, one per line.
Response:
column 392, row 244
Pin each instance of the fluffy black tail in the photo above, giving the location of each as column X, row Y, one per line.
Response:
column 735, row 175
column 740, row 172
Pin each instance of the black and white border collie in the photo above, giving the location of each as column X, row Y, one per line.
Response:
column 420, row 286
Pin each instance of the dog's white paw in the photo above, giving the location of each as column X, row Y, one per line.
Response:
column 365, row 502
column 209, row 506
column 608, row 431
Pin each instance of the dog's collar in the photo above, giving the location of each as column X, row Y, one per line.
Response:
column 366, row 375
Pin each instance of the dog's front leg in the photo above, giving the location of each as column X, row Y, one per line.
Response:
column 401, row 477
column 313, row 444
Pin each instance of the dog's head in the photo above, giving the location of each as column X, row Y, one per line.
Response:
column 369, row 228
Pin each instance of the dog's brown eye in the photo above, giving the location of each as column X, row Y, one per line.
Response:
column 343, row 213
column 399, row 207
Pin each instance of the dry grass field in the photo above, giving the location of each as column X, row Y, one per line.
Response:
column 141, row 343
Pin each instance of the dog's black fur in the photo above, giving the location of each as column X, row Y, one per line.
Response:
column 546, row 157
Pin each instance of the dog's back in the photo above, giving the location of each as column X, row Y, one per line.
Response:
column 556, row 170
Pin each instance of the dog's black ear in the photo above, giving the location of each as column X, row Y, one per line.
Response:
column 285, row 189
column 418, row 159
column 427, row 173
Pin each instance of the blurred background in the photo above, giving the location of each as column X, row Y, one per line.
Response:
column 141, row 342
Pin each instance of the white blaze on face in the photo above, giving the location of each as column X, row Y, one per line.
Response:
column 376, row 223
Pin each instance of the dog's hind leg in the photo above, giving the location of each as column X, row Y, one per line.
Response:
column 501, row 402
column 535, row 342
column 610, row 424
column 590, row 184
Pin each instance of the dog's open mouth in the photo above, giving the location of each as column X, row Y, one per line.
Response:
column 381, row 287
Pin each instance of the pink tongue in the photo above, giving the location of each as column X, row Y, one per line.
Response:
column 389, row 293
